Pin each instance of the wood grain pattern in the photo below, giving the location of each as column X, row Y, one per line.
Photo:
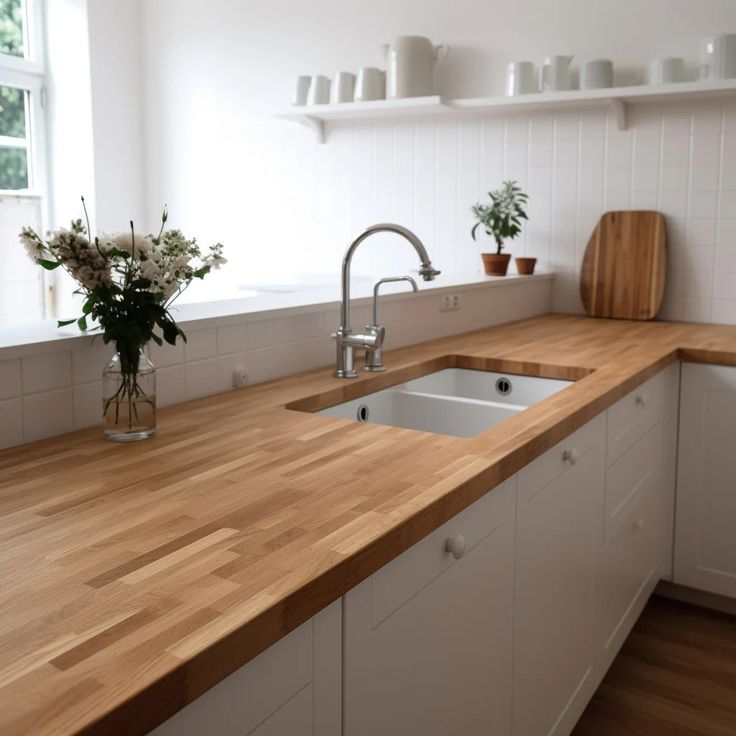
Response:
column 674, row 676
column 135, row 577
column 624, row 266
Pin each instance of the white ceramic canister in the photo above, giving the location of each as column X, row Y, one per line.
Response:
column 666, row 71
column 412, row 62
column 371, row 84
column 319, row 90
column 596, row 74
column 718, row 57
column 521, row 78
column 343, row 87
column 301, row 90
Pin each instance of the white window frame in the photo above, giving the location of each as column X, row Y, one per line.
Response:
column 28, row 73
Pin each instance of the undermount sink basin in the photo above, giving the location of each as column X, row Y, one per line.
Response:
column 454, row 401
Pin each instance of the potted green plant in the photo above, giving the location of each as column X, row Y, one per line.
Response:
column 501, row 219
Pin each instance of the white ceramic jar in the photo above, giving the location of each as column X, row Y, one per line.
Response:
column 412, row 62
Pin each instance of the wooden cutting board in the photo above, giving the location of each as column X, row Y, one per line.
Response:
column 623, row 271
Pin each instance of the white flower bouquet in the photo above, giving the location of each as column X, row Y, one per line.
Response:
column 128, row 281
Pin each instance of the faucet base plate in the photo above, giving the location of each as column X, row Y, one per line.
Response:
column 374, row 368
column 345, row 374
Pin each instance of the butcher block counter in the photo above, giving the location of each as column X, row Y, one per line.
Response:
column 135, row 577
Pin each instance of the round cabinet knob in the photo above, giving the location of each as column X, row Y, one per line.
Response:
column 570, row 456
column 638, row 525
column 456, row 546
column 641, row 399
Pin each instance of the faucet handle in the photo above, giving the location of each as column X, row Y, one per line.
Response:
column 389, row 280
column 373, row 337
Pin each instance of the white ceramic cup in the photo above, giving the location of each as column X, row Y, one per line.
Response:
column 596, row 74
column 555, row 76
column 718, row 57
column 371, row 84
column 319, row 90
column 666, row 71
column 521, row 78
column 343, row 88
column 301, row 90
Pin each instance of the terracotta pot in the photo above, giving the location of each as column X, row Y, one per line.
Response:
column 496, row 265
column 525, row 266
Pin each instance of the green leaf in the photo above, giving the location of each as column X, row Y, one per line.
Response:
column 82, row 324
column 49, row 265
column 171, row 332
column 65, row 322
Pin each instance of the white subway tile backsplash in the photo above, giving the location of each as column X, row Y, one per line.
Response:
column 203, row 378
column 232, row 338
column 87, row 399
column 10, row 379
column 45, row 372
column 171, row 385
column 11, row 422
column 165, row 355
column 48, row 413
column 89, row 362
column 200, row 344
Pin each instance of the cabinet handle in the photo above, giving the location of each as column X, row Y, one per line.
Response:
column 641, row 399
column 456, row 546
column 570, row 456
column 638, row 525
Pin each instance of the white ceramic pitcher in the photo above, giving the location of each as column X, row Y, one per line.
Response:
column 556, row 73
column 412, row 62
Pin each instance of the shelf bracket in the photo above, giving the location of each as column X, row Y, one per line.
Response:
column 618, row 107
column 315, row 125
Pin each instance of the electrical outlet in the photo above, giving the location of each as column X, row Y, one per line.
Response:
column 240, row 376
column 449, row 302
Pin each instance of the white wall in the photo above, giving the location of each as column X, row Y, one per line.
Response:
column 214, row 75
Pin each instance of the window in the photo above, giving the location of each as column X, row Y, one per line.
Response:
column 22, row 154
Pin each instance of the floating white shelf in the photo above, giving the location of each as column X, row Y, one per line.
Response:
column 616, row 98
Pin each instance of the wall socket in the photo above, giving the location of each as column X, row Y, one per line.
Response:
column 449, row 302
column 240, row 376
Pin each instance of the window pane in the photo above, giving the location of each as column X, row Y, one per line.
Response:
column 12, row 111
column 13, row 168
column 11, row 27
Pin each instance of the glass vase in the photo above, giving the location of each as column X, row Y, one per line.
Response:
column 129, row 396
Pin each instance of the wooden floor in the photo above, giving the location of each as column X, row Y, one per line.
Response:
column 674, row 676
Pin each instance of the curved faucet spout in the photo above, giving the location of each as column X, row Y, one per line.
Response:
column 346, row 340
column 427, row 271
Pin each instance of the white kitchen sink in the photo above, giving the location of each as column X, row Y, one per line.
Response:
column 454, row 401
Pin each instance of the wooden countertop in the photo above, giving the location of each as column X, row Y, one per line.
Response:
column 135, row 577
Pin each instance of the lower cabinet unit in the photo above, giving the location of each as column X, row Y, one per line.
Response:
column 559, row 507
column 428, row 638
column 291, row 689
column 705, row 536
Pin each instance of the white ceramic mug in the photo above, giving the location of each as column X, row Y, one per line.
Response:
column 556, row 73
column 343, row 88
column 718, row 57
column 319, row 90
column 371, row 84
column 666, row 71
column 301, row 90
column 412, row 62
column 596, row 74
column 521, row 78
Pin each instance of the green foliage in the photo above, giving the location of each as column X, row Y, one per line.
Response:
column 11, row 27
column 502, row 218
column 128, row 281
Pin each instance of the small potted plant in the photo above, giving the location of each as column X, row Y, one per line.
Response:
column 501, row 219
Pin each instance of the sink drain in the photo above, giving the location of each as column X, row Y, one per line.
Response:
column 363, row 413
column 503, row 386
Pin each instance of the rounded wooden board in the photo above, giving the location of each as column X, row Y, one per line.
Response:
column 624, row 266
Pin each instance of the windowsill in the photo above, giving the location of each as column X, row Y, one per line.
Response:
column 39, row 337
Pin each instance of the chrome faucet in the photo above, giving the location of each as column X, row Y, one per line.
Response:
column 372, row 338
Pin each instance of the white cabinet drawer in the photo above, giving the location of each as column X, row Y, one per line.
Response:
column 402, row 578
column 630, row 417
column 627, row 570
column 636, row 474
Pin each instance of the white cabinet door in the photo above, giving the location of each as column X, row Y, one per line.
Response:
column 559, row 511
column 291, row 689
column 705, row 527
column 427, row 639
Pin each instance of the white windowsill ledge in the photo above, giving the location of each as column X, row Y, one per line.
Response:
column 17, row 341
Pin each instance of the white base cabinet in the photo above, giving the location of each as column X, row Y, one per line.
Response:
column 291, row 689
column 705, row 537
column 427, row 639
column 560, row 497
